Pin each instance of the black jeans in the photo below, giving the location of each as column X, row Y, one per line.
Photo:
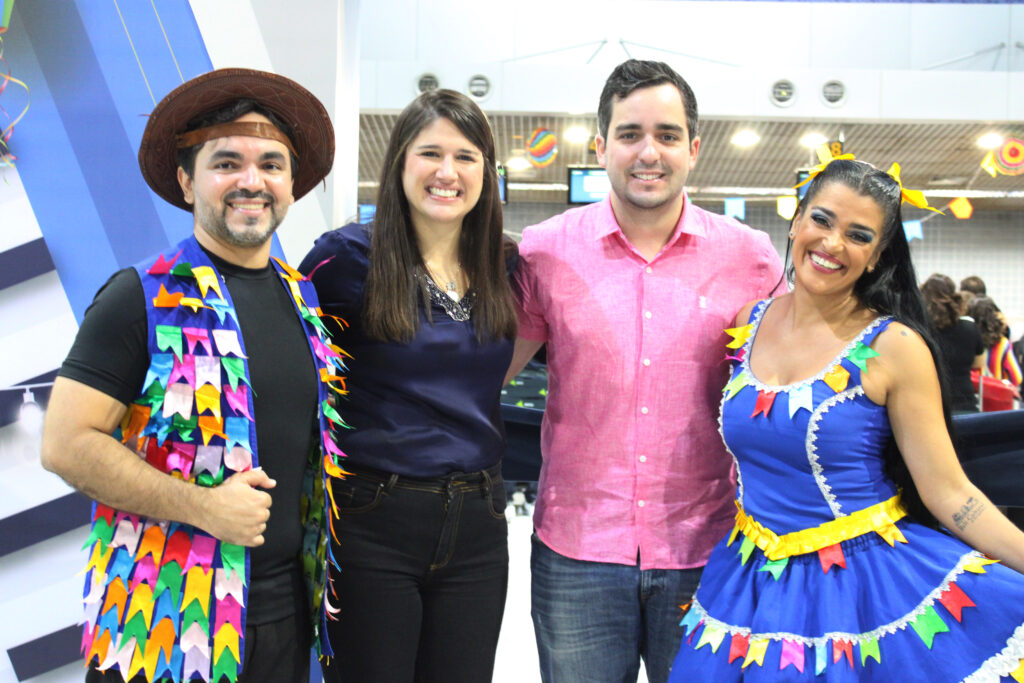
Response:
column 274, row 652
column 424, row 571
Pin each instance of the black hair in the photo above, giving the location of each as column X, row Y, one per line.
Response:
column 889, row 288
column 635, row 74
column 226, row 114
column 390, row 306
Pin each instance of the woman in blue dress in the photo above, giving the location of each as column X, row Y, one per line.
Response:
column 836, row 420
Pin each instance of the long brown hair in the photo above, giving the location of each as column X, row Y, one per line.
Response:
column 986, row 317
column 941, row 301
column 390, row 310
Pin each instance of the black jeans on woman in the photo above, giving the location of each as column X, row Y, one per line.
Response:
column 424, row 572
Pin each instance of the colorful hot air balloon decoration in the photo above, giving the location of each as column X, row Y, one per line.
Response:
column 542, row 148
column 1010, row 156
column 1008, row 159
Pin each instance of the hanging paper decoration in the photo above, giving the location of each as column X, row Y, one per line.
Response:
column 6, row 158
column 736, row 207
column 542, row 147
column 914, row 230
column 1008, row 159
column 785, row 206
column 5, row 14
column 1010, row 156
column 961, row 208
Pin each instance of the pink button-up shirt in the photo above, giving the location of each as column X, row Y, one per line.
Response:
column 633, row 460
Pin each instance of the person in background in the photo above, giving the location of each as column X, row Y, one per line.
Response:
column 189, row 405
column 960, row 346
column 833, row 570
column 630, row 296
column 1000, row 361
column 972, row 286
column 421, row 551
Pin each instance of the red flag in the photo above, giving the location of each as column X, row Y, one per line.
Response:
column 162, row 266
column 831, row 555
column 954, row 600
column 840, row 648
column 738, row 646
column 765, row 400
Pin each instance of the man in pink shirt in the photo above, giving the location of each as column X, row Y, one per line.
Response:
column 631, row 296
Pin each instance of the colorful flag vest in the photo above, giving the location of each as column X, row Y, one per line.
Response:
column 163, row 598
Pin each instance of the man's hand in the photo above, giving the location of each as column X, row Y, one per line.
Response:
column 236, row 511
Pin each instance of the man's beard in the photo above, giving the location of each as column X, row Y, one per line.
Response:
column 217, row 224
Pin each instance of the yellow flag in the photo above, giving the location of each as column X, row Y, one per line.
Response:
column 989, row 164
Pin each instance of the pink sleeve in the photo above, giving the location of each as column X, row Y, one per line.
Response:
column 532, row 323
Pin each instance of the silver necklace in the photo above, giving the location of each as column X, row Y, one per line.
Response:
column 451, row 287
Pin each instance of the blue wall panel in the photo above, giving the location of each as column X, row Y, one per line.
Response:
column 78, row 145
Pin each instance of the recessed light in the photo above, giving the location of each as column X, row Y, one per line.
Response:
column 812, row 140
column 517, row 163
column 577, row 134
column 990, row 140
column 745, row 138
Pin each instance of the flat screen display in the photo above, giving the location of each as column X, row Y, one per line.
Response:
column 367, row 212
column 502, row 184
column 588, row 184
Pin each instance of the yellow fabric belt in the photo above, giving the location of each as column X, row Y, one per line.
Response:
column 879, row 518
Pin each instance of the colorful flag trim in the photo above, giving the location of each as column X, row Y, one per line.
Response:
column 851, row 650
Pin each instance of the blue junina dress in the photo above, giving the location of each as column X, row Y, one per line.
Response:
column 824, row 578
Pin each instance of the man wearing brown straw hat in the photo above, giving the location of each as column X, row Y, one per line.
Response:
column 195, row 396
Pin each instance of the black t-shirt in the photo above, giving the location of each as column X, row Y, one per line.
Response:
column 110, row 354
column 960, row 343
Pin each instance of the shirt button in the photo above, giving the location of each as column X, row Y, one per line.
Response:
column 647, row 361
column 643, row 458
column 644, row 410
column 648, row 270
column 647, row 314
column 641, row 503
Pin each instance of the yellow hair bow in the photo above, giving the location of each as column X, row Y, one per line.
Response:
column 912, row 197
column 826, row 158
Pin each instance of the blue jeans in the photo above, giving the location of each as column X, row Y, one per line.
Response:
column 424, row 570
column 595, row 620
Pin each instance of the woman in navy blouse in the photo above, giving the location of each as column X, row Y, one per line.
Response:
column 420, row 539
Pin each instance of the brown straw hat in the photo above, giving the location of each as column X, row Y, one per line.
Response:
column 312, row 132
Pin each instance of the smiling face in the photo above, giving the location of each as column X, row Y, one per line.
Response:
column 836, row 238
column 648, row 152
column 442, row 176
column 240, row 189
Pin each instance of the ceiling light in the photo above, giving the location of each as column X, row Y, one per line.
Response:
column 745, row 138
column 812, row 140
column 517, row 163
column 577, row 134
column 990, row 140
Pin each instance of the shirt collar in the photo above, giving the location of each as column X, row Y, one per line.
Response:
column 690, row 223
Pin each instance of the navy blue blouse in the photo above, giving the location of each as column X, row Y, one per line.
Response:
column 426, row 408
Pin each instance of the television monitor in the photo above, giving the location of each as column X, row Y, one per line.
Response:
column 502, row 184
column 367, row 212
column 588, row 184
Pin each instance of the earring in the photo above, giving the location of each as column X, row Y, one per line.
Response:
column 791, row 235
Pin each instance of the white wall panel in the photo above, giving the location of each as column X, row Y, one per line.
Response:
column 19, row 221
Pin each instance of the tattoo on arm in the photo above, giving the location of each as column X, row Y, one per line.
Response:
column 967, row 513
